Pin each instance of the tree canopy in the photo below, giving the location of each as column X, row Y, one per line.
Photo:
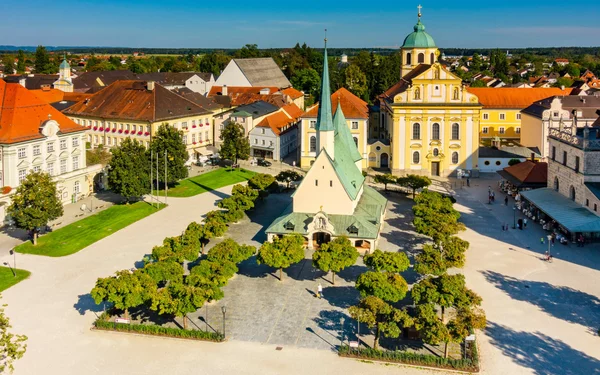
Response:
column 12, row 347
column 387, row 261
column 128, row 170
column 35, row 203
column 231, row 251
column 282, row 252
column 235, row 144
column 168, row 140
column 414, row 182
column 125, row 290
column 334, row 256
column 388, row 286
column 288, row 176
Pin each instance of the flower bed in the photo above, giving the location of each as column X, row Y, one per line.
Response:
column 470, row 364
column 146, row 133
column 114, row 130
column 154, row 330
column 140, row 133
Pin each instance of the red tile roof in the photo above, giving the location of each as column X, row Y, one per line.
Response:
column 514, row 98
column 293, row 111
column 292, row 93
column 22, row 113
column 529, row 172
column 277, row 121
column 352, row 105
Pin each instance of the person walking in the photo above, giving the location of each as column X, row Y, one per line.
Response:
column 524, row 223
column 506, row 200
column 468, row 182
column 319, row 290
column 553, row 237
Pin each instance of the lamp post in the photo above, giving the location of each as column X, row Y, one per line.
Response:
column 13, row 271
column 224, row 310
column 14, row 254
column 342, row 331
column 549, row 244
column 514, row 218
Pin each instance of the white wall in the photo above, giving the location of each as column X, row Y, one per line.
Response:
column 492, row 166
column 232, row 76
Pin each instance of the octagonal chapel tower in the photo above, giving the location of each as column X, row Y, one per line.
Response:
column 418, row 48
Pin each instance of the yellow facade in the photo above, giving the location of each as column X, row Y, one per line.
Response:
column 433, row 122
column 503, row 123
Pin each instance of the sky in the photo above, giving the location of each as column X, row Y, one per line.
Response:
column 274, row 24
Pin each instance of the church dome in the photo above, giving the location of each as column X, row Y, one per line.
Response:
column 64, row 65
column 418, row 38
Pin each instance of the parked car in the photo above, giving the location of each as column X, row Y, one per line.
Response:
column 263, row 163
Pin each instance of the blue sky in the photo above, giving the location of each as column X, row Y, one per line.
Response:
column 270, row 23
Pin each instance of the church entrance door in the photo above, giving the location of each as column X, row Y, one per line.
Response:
column 384, row 160
column 321, row 237
column 435, row 168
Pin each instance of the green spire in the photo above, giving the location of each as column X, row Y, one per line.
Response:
column 325, row 120
column 343, row 136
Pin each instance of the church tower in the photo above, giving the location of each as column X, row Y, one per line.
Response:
column 325, row 129
column 418, row 48
column 64, row 82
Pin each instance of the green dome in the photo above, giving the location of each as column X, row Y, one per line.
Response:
column 419, row 38
column 64, row 65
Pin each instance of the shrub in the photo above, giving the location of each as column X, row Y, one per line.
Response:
column 155, row 330
column 469, row 364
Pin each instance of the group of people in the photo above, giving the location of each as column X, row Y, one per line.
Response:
column 491, row 195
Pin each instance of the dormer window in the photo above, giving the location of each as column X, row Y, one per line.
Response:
column 289, row 226
column 352, row 229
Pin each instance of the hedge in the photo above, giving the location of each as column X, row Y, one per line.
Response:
column 471, row 365
column 155, row 330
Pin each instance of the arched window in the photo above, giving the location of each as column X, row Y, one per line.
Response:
column 455, row 157
column 313, row 144
column 436, row 152
column 421, row 59
column 456, row 94
column 436, row 74
column 432, row 58
column 417, row 93
column 435, row 131
column 572, row 193
column 416, row 157
column 455, row 131
column 416, row 131
column 408, row 58
column 556, row 184
column 355, row 141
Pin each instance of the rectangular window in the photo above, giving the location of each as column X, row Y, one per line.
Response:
column 193, row 138
column 486, row 116
column 316, row 182
column 331, row 183
column 501, row 130
column 206, row 135
column 134, row 128
column 518, row 130
column 564, row 158
column 184, row 124
column 63, row 144
column 37, row 169
column 75, row 142
column 518, row 116
column 75, row 162
column 263, row 142
column 22, row 152
column 577, row 164
column 595, row 207
column 587, row 202
column 553, row 153
column 22, row 175
column 36, row 150
column 50, row 147
column 313, row 124
column 199, row 137
column 262, row 131
column 255, row 141
column 96, row 139
column 354, row 124
column 63, row 166
column 502, row 116
column 50, row 169
column 185, row 139
column 555, row 114
column 485, row 130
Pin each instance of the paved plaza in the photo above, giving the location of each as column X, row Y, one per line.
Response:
column 542, row 316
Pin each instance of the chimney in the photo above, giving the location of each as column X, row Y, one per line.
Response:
column 224, row 90
column 562, row 87
column 150, row 85
column 533, row 157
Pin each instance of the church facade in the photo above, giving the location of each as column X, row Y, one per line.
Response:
column 432, row 120
column 333, row 199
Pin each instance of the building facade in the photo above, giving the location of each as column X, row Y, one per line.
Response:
column 64, row 82
column 259, row 72
column 248, row 116
column 36, row 137
column 276, row 136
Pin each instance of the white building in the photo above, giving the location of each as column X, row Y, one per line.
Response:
column 276, row 135
column 261, row 72
column 195, row 81
column 36, row 137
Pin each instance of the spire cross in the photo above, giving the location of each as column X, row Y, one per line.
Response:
column 419, row 14
column 325, row 38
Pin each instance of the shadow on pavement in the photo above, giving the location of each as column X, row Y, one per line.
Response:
column 561, row 302
column 542, row 354
column 85, row 303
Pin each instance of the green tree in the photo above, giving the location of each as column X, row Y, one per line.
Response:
column 212, row 273
column 128, row 170
column 98, row 155
column 414, row 182
column 445, row 291
column 431, row 329
column 573, row 70
column 512, row 162
column 245, row 191
column 169, row 141
column 464, row 322
column 21, row 64
column 180, row 299
column 334, row 256
column 177, row 249
column 248, row 51
column 214, row 227
column 230, row 251
column 435, row 216
column 261, row 181
column 35, row 203
column 12, row 347
column 43, row 65
column 478, row 83
column 282, row 252
column 375, row 313
column 306, row 80
column 563, row 82
column 387, row 261
column 476, row 63
column 9, row 64
column 235, row 144
column 164, row 271
column 288, row 176
column 437, row 258
column 388, row 286
column 356, row 81
column 124, row 290
column 385, row 179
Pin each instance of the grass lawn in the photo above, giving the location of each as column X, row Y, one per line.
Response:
column 208, row 181
column 7, row 279
column 80, row 234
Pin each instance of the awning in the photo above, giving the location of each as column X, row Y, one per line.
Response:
column 206, row 151
column 526, row 174
column 574, row 217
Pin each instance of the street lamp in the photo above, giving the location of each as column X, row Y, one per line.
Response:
column 224, row 310
column 13, row 271
column 549, row 244
column 342, row 329
column 514, row 217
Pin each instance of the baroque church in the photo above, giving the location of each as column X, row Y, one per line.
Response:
column 431, row 119
column 333, row 199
